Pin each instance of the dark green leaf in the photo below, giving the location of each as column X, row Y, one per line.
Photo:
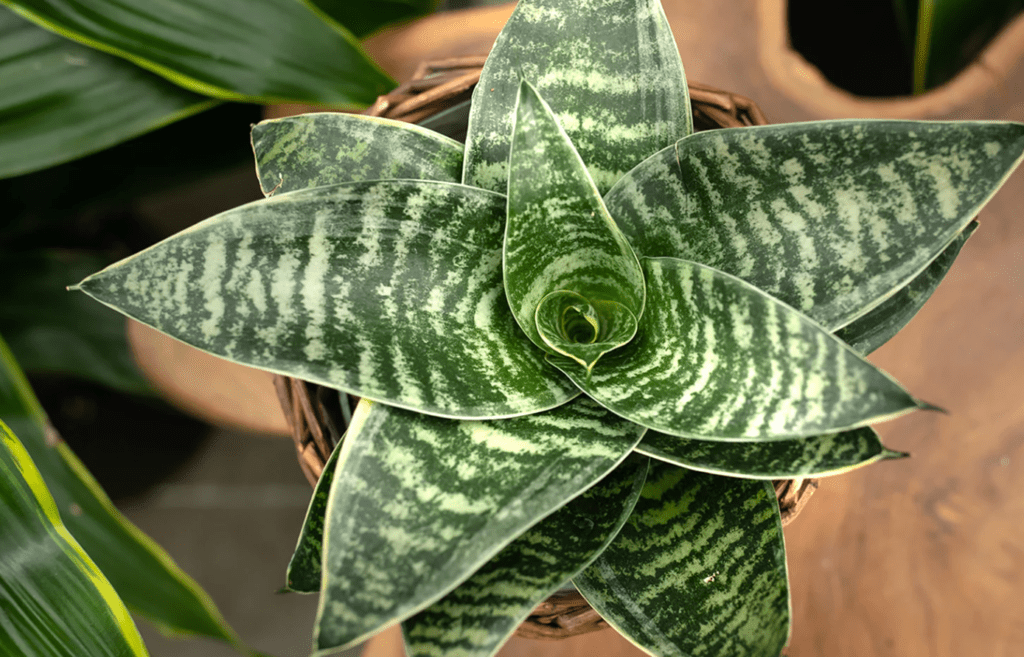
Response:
column 143, row 575
column 829, row 217
column 872, row 330
column 951, row 33
column 328, row 148
column 60, row 101
column 389, row 290
column 699, row 568
column 305, row 568
column 418, row 503
column 52, row 330
column 814, row 456
column 610, row 70
column 718, row 359
column 55, row 601
column 261, row 51
column 475, row 619
column 572, row 280
column 362, row 18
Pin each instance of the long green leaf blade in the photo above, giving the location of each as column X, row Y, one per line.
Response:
column 55, row 600
column 250, row 50
column 699, row 569
column 50, row 330
column 143, row 575
column 60, row 101
column 329, row 148
column 829, row 217
column 418, row 504
column 718, row 359
column 610, row 70
column 390, row 290
column 563, row 253
column 873, row 329
column 814, row 456
column 475, row 619
column 305, row 569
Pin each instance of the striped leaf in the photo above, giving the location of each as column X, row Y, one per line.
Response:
column 718, row 359
column 305, row 569
column 418, row 504
column 609, row 68
column 829, row 217
column 389, row 290
column 55, row 600
column 475, row 619
column 698, row 570
column 572, row 281
column 261, row 51
column 814, row 456
column 45, row 80
column 142, row 573
column 328, row 148
column 875, row 328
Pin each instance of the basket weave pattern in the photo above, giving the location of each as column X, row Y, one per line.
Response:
column 316, row 415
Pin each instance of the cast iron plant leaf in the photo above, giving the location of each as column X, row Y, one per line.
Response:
column 598, row 287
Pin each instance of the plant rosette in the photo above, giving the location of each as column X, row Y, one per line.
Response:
column 585, row 341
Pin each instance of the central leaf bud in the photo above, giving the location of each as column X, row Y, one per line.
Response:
column 580, row 324
column 581, row 329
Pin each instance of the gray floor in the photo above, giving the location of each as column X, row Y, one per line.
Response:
column 230, row 519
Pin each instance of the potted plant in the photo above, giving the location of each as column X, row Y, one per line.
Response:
column 589, row 336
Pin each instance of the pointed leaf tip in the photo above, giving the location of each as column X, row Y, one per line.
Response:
column 926, row 406
column 889, row 454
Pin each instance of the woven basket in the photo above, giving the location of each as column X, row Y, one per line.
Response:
column 318, row 416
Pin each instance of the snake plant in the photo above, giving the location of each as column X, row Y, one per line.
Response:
column 584, row 341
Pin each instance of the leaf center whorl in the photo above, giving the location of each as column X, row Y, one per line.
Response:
column 584, row 330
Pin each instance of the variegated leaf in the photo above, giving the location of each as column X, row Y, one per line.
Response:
column 141, row 572
column 261, row 51
column 715, row 358
column 699, row 570
column 572, row 281
column 418, row 503
column 327, row 148
column 609, row 68
column 475, row 619
column 870, row 331
column 55, row 600
column 814, row 456
column 390, row 290
column 305, row 567
column 829, row 217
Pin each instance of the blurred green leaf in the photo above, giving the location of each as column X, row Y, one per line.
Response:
column 362, row 18
column 257, row 50
column 60, row 100
column 52, row 330
column 949, row 34
column 55, row 600
column 145, row 576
